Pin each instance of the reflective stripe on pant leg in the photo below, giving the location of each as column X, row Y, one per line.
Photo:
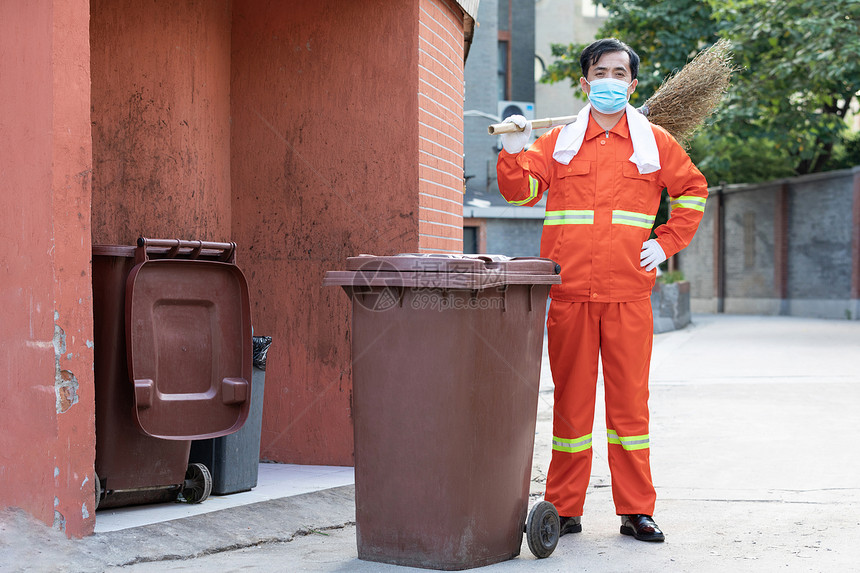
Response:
column 629, row 443
column 626, row 340
column 573, row 354
column 571, row 446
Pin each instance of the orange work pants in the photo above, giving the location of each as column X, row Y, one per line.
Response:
column 622, row 334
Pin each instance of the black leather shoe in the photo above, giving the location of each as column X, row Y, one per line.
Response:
column 569, row 525
column 642, row 527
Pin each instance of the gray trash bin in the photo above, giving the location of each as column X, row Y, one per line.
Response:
column 234, row 459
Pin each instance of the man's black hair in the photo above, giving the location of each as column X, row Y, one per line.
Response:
column 594, row 51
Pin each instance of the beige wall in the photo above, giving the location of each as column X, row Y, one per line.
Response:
column 560, row 22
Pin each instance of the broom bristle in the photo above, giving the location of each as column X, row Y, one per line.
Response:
column 688, row 97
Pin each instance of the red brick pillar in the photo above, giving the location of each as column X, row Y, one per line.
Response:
column 440, row 127
column 780, row 248
column 855, row 247
column 719, row 250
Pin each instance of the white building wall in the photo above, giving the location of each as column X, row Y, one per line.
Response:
column 561, row 22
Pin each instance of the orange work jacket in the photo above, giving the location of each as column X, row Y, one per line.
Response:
column 600, row 209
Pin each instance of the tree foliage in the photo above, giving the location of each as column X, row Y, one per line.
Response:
column 801, row 74
column 798, row 77
column 666, row 35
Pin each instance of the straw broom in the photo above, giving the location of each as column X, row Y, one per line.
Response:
column 680, row 105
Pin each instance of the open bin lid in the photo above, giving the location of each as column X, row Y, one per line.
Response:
column 188, row 333
column 471, row 272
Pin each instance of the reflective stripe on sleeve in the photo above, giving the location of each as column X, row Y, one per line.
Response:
column 633, row 219
column 688, row 202
column 571, row 445
column 629, row 443
column 533, row 192
column 571, row 217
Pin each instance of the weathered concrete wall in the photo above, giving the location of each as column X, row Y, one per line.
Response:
column 697, row 262
column 514, row 237
column 47, row 409
column 788, row 247
column 324, row 166
column 118, row 121
column 820, row 238
column 161, row 120
column 749, row 243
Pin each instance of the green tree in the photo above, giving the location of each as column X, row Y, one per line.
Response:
column 799, row 75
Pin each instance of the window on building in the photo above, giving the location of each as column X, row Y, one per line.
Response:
column 592, row 10
column 504, row 38
column 474, row 236
column 504, row 15
column 470, row 240
column 504, row 70
column 540, row 68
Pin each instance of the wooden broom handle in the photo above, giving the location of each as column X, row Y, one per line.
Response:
column 500, row 128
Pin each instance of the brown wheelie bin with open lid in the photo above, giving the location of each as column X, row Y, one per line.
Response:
column 172, row 364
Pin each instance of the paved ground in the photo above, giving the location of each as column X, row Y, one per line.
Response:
column 754, row 433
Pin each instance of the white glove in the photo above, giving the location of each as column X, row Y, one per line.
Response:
column 516, row 141
column 652, row 255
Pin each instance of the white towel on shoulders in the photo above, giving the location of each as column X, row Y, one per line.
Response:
column 645, row 153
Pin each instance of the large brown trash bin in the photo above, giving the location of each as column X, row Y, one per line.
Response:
column 446, row 371
column 173, row 358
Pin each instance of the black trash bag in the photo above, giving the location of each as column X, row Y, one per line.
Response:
column 261, row 348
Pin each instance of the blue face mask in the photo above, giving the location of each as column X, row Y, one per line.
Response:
column 608, row 95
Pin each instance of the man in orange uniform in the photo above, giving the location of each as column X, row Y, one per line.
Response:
column 603, row 176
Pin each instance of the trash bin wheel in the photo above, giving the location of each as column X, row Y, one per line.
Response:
column 198, row 483
column 542, row 529
column 98, row 485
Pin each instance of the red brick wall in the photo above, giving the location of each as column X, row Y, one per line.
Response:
column 440, row 127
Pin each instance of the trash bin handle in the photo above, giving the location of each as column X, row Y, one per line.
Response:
column 225, row 252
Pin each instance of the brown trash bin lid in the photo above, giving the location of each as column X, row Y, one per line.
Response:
column 472, row 272
column 188, row 330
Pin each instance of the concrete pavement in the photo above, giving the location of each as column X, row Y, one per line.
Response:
column 754, row 435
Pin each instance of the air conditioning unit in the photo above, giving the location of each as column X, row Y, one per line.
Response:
column 523, row 108
column 508, row 108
